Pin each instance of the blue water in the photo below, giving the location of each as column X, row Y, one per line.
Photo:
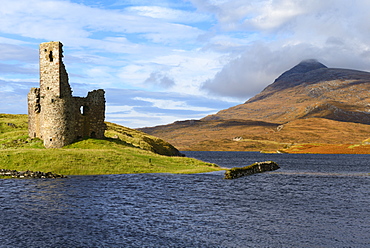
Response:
column 312, row 201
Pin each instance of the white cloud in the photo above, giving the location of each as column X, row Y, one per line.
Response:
column 12, row 52
column 248, row 74
column 177, row 70
column 134, row 74
column 169, row 14
column 136, row 119
column 229, row 48
column 137, row 108
column 75, row 23
column 334, row 32
column 112, row 109
column 276, row 13
column 173, row 105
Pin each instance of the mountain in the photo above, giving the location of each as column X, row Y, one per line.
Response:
column 308, row 90
column 308, row 103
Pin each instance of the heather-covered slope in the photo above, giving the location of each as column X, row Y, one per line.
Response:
column 244, row 135
column 308, row 90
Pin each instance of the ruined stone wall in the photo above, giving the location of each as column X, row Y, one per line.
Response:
column 54, row 114
column 34, row 112
column 257, row 167
column 89, row 114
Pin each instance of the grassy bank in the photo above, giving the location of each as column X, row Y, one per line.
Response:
column 124, row 151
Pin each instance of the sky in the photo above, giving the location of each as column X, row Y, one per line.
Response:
column 161, row 61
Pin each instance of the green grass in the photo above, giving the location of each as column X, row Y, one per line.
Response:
column 140, row 140
column 124, row 151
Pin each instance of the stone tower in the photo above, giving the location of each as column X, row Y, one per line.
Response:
column 55, row 116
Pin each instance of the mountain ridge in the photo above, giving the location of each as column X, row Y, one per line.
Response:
column 333, row 93
column 309, row 93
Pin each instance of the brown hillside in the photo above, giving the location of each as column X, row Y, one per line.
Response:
column 244, row 135
column 309, row 103
column 308, row 90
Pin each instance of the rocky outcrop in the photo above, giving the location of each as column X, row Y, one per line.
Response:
column 257, row 167
column 29, row 174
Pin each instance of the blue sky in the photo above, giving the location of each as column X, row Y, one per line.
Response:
column 161, row 61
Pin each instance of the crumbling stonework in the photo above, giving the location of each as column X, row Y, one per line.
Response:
column 54, row 115
column 257, row 167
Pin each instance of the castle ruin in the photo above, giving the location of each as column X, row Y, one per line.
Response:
column 54, row 115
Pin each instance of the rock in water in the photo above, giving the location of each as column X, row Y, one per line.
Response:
column 257, row 167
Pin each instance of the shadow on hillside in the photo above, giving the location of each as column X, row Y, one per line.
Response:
column 234, row 123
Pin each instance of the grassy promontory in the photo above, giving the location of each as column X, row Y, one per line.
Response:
column 123, row 151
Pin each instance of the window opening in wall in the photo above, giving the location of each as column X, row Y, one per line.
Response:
column 51, row 56
column 84, row 110
column 51, row 139
column 37, row 108
column 52, row 100
column 93, row 135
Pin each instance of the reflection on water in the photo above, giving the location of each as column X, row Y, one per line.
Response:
column 312, row 201
column 49, row 194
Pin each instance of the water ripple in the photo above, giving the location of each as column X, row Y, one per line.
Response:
column 301, row 205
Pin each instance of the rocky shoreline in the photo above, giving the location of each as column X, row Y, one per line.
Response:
column 29, row 174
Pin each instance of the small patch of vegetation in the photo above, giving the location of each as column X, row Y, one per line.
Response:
column 5, row 177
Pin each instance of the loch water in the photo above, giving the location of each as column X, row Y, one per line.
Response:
column 311, row 201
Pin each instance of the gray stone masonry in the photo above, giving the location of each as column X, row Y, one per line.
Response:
column 54, row 115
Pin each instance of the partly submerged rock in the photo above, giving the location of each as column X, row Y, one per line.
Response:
column 257, row 167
